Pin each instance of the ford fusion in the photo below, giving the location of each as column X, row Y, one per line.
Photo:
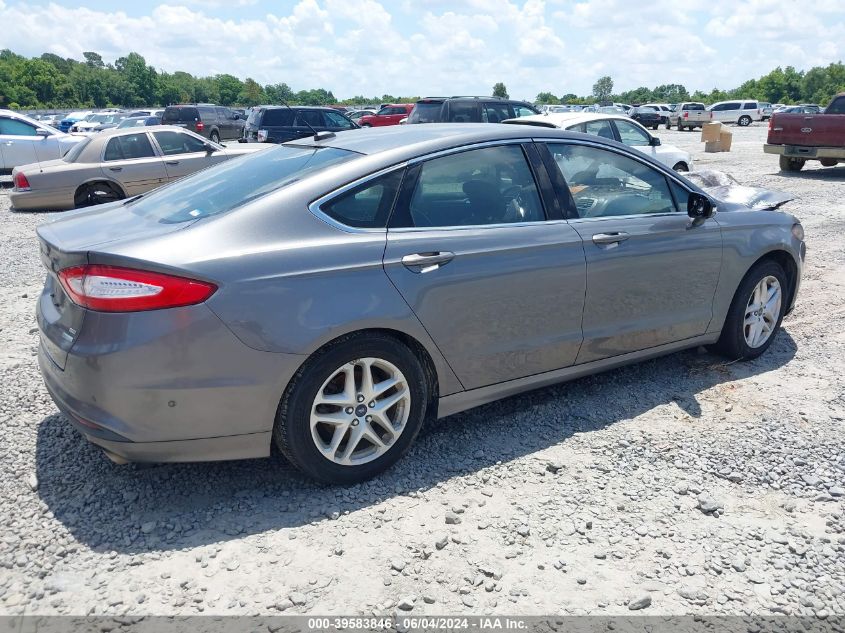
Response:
column 328, row 295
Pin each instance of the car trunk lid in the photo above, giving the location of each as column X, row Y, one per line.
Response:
column 71, row 241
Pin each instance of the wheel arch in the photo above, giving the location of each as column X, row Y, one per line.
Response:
column 419, row 350
column 109, row 181
column 787, row 262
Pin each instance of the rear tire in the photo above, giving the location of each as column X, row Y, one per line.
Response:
column 681, row 166
column 215, row 137
column 791, row 164
column 744, row 121
column 298, row 427
column 734, row 340
column 96, row 193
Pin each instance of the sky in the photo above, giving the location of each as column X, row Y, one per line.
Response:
column 443, row 47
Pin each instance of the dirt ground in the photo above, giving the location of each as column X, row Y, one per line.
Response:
column 581, row 498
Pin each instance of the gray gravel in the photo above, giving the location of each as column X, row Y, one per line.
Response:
column 682, row 485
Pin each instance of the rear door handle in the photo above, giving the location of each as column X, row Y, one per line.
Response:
column 171, row 162
column 610, row 238
column 115, row 168
column 424, row 262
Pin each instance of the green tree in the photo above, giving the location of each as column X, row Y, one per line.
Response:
column 252, row 93
column 603, row 88
column 547, row 98
column 499, row 90
column 229, row 87
column 93, row 60
column 279, row 93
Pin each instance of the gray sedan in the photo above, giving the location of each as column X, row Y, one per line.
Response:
column 115, row 164
column 329, row 294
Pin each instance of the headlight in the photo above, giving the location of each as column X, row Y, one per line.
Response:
column 798, row 231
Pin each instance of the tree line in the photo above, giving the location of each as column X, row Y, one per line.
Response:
column 782, row 85
column 50, row 81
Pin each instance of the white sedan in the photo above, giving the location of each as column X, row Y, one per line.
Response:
column 24, row 140
column 615, row 127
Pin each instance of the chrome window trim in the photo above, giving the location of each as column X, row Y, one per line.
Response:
column 316, row 206
column 463, row 148
column 472, row 227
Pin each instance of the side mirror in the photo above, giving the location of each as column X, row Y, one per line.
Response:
column 654, row 142
column 42, row 133
column 699, row 206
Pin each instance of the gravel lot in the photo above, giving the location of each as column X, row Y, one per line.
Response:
column 681, row 485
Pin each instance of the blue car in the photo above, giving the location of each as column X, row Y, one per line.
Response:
column 74, row 117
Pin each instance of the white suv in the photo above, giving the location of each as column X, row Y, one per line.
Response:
column 741, row 111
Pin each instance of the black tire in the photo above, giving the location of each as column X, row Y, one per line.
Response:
column 668, row 124
column 681, row 166
column 680, row 127
column 732, row 341
column 744, row 121
column 791, row 164
column 215, row 137
column 654, row 127
column 96, row 193
column 292, row 432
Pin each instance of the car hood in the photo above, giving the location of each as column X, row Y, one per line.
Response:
column 726, row 188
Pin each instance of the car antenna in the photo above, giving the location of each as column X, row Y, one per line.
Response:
column 318, row 136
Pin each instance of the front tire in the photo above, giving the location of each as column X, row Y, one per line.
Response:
column 756, row 312
column 791, row 164
column 353, row 409
column 744, row 121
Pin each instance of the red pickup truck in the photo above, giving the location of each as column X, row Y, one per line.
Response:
column 798, row 138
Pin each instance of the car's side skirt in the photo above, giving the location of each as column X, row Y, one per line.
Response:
column 455, row 403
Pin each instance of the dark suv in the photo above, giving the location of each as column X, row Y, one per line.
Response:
column 211, row 121
column 278, row 124
column 468, row 110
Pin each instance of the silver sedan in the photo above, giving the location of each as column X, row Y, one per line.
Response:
column 116, row 164
column 330, row 294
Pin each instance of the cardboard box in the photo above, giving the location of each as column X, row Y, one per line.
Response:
column 711, row 147
column 711, row 131
column 725, row 140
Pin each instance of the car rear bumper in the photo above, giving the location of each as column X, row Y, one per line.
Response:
column 52, row 200
column 805, row 151
column 168, row 385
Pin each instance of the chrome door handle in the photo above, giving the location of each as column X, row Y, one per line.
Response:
column 424, row 262
column 171, row 162
column 115, row 168
column 610, row 238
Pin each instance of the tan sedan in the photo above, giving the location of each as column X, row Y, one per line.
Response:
column 116, row 164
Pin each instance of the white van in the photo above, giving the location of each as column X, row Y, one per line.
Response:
column 741, row 111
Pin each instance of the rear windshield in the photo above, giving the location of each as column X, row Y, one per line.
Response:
column 235, row 183
column 694, row 106
column 182, row 115
column 76, row 150
column 425, row 113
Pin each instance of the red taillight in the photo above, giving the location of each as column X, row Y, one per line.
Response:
column 117, row 289
column 686, row 115
column 200, row 126
column 21, row 183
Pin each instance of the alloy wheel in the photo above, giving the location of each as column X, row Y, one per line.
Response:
column 762, row 312
column 360, row 411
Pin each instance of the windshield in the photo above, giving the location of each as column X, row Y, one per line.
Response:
column 425, row 113
column 76, row 150
column 235, row 183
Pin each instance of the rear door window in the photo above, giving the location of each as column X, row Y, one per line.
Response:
column 277, row 117
column 179, row 115
column 129, row 146
column 495, row 112
column 304, row 118
column 428, row 112
column 600, row 128
column 749, row 106
column 464, row 112
column 491, row 185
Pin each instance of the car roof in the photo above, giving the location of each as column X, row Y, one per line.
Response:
column 413, row 140
column 129, row 130
column 297, row 107
column 564, row 119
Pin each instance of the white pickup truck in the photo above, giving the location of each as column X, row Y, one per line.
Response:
column 688, row 115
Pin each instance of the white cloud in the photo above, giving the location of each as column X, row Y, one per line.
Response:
column 446, row 46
